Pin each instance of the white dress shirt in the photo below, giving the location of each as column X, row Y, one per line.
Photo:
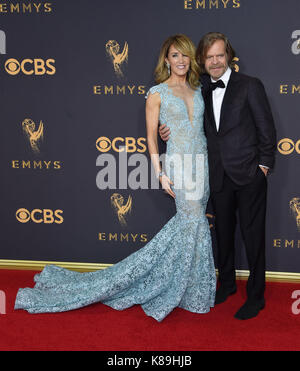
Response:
column 218, row 95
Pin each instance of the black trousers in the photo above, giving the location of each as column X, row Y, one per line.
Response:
column 250, row 203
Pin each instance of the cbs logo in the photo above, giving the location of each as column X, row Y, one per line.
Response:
column 28, row 66
column 104, row 144
column 38, row 216
column 287, row 146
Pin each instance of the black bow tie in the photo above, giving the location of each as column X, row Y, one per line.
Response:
column 218, row 84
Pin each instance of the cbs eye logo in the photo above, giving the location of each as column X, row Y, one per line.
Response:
column 28, row 66
column 287, row 146
column 38, row 216
column 104, row 144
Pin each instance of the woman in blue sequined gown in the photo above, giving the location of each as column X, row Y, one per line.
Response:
column 175, row 268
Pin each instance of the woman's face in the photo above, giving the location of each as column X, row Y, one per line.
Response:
column 179, row 63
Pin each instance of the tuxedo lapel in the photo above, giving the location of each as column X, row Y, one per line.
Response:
column 210, row 112
column 230, row 93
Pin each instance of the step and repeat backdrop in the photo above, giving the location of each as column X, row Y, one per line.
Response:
column 76, row 180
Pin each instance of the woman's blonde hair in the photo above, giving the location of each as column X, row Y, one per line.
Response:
column 185, row 46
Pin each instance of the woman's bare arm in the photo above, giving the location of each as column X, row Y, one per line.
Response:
column 152, row 121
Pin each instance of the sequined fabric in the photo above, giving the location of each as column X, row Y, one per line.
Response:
column 175, row 268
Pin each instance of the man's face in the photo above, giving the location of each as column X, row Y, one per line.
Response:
column 216, row 62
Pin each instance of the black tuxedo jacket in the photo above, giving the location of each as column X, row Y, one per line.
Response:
column 246, row 136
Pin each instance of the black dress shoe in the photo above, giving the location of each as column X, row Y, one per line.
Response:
column 222, row 294
column 249, row 310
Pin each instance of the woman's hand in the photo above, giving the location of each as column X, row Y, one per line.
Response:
column 166, row 184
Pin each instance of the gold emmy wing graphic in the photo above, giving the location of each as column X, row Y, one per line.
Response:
column 236, row 67
column 113, row 50
column 211, row 217
column 34, row 136
column 117, row 202
column 295, row 208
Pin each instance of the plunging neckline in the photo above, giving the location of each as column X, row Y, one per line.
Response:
column 184, row 103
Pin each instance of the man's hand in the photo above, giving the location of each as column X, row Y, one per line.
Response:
column 264, row 170
column 164, row 132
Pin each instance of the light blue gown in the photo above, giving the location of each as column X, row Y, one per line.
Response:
column 175, row 268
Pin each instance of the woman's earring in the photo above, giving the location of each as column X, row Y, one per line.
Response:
column 169, row 69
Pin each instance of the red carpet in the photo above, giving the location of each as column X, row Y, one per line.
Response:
column 98, row 327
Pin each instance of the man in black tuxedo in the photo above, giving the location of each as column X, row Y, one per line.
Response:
column 241, row 142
